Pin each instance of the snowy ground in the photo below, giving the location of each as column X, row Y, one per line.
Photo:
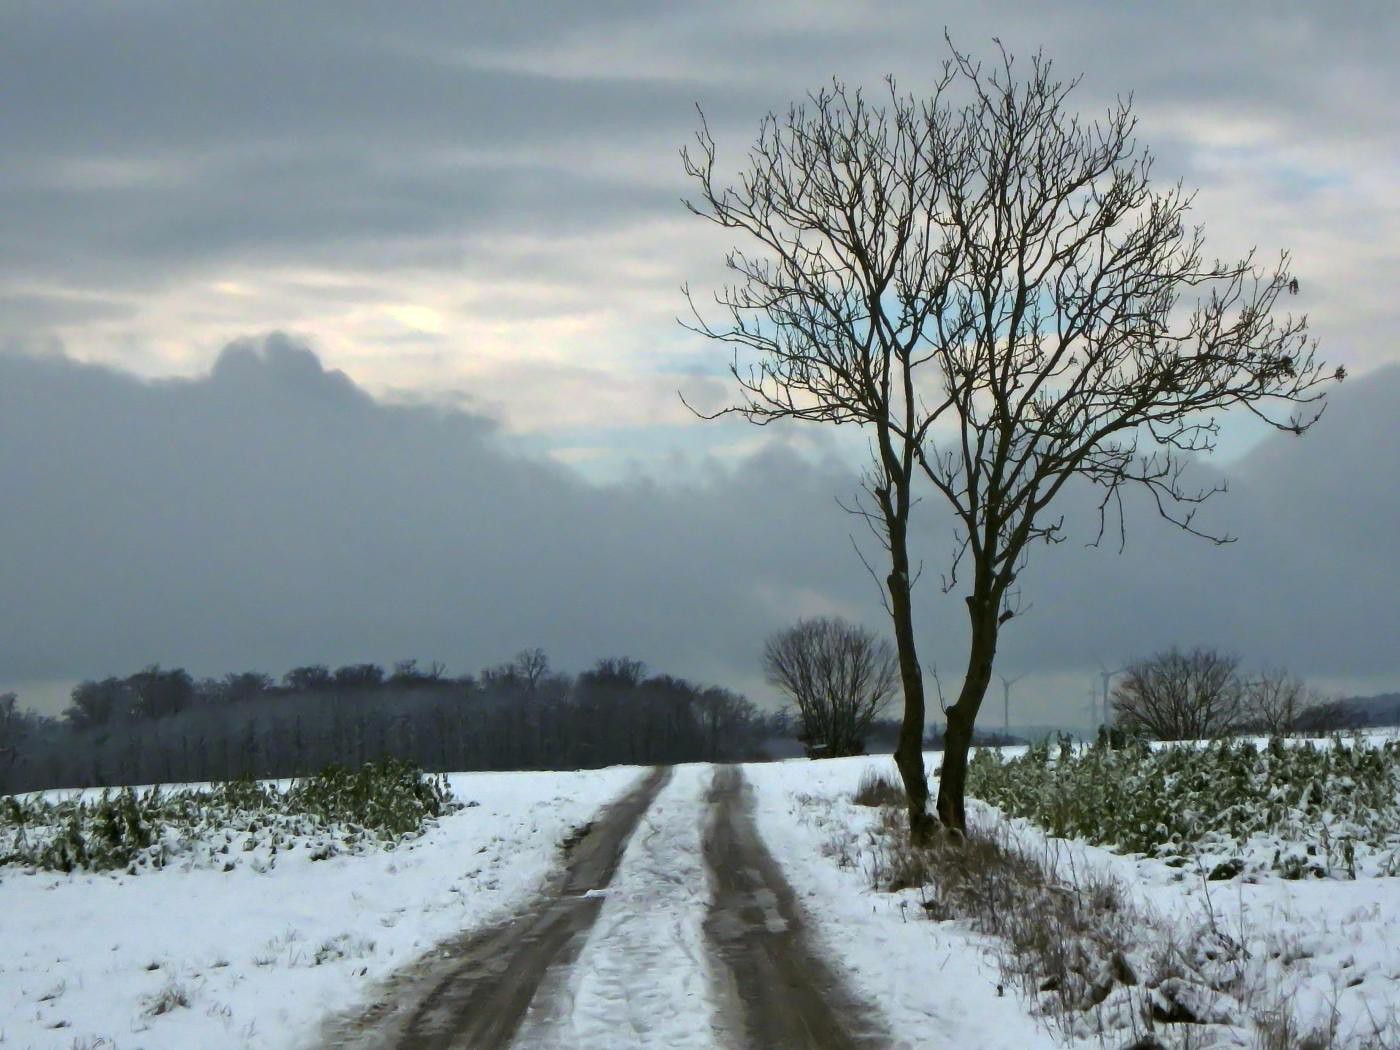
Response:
column 935, row 982
column 1327, row 950
column 193, row 958
column 104, row 960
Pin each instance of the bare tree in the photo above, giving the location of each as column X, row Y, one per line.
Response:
column 1276, row 701
column 839, row 676
column 526, row 671
column 718, row 713
column 159, row 693
column 309, row 679
column 992, row 287
column 245, row 685
column 532, row 665
column 407, row 673
column 1175, row 695
column 97, row 703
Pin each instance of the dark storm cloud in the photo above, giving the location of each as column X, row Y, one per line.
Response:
column 325, row 207
column 147, row 77
column 272, row 513
column 141, row 138
column 36, row 312
column 1311, row 580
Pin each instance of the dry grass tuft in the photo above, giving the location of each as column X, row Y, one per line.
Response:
column 172, row 997
column 879, row 788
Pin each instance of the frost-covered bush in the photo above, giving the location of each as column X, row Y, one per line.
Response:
column 225, row 824
column 1298, row 808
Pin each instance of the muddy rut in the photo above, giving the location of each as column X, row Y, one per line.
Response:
column 474, row 991
column 779, row 990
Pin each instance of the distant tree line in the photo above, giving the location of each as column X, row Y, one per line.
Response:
column 162, row 725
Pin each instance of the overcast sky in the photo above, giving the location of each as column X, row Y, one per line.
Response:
column 467, row 217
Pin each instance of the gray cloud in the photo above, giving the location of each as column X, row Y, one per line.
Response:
column 271, row 512
column 151, row 144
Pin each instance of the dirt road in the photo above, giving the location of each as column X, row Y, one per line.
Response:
column 780, row 989
column 473, row 992
column 761, row 983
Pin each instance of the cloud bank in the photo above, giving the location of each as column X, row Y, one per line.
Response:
column 271, row 512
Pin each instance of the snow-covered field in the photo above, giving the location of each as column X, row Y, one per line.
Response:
column 1327, row 950
column 196, row 957
column 203, row 958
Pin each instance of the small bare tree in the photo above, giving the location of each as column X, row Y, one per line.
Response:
column 992, row 287
column 1276, row 702
column 838, row 675
column 1175, row 695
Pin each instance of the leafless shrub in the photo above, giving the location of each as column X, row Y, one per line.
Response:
column 1275, row 700
column 1280, row 702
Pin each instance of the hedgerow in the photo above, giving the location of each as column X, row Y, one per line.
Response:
column 1298, row 808
column 225, row 824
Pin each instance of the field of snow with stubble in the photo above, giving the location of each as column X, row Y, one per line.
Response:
column 190, row 958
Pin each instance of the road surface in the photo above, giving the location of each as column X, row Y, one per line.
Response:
column 703, row 946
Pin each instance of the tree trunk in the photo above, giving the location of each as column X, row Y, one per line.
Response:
column 909, row 754
column 962, row 716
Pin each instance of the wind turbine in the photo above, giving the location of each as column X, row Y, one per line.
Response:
column 1006, row 684
column 1106, row 676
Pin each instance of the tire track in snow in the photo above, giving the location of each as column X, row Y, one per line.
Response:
column 474, row 991
column 782, row 993
column 645, row 978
